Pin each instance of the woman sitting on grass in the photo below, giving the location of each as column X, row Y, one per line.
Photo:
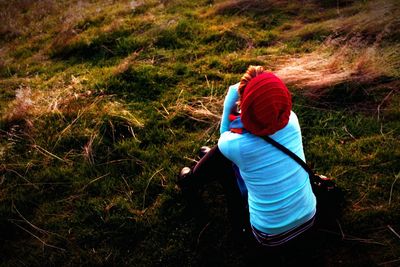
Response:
column 276, row 193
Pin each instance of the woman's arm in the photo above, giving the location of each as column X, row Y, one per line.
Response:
column 229, row 104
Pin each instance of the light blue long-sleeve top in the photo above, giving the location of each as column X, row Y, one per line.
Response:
column 279, row 192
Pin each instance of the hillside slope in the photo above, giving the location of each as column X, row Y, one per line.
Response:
column 102, row 102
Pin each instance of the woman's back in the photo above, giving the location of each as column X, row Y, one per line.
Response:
column 279, row 192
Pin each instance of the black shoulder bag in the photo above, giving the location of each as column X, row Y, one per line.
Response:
column 329, row 196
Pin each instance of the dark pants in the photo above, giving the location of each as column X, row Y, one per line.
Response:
column 300, row 251
column 214, row 166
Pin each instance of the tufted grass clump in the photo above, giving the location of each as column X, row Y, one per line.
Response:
column 144, row 82
column 181, row 34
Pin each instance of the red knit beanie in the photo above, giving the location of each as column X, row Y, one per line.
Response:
column 265, row 105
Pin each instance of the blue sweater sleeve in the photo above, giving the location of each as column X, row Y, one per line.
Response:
column 229, row 103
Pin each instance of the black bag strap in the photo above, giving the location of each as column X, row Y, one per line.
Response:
column 290, row 154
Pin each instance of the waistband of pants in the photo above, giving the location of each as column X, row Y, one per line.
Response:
column 272, row 240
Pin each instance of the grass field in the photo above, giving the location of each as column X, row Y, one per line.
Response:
column 102, row 102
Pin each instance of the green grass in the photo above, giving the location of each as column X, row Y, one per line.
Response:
column 100, row 110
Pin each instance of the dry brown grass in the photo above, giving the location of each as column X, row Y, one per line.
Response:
column 36, row 20
column 125, row 63
column 321, row 68
column 22, row 105
column 29, row 102
column 205, row 109
column 240, row 6
column 25, row 17
column 355, row 53
column 64, row 100
column 67, row 31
